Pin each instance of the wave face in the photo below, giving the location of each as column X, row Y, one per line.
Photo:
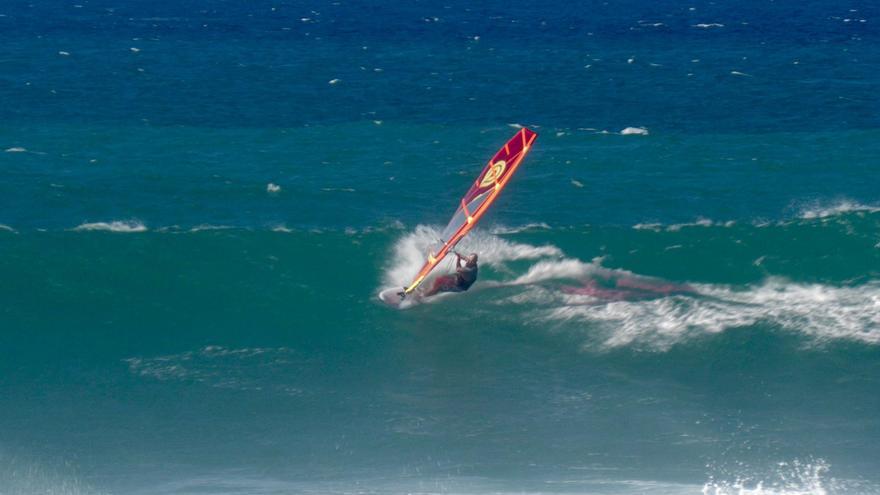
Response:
column 741, row 355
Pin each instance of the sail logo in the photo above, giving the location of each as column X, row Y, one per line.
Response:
column 494, row 172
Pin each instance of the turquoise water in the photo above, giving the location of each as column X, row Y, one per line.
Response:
column 202, row 200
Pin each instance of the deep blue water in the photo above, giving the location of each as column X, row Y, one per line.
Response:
column 200, row 200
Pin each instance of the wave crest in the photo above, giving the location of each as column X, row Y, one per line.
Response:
column 125, row 226
column 842, row 207
column 823, row 313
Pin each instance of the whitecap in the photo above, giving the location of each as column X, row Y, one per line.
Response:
column 634, row 131
column 822, row 313
column 708, row 25
column 700, row 222
column 564, row 269
column 501, row 229
column 125, row 226
column 675, row 227
column 785, row 478
column 207, row 227
column 648, row 226
column 16, row 149
column 273, row 188
column 818, row 210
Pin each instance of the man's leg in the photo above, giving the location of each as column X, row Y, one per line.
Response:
column 441, row 284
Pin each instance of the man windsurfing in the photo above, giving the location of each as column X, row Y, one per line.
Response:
column 465, row 275
column 473, row 205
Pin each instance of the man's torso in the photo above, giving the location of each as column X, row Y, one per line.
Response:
column 466, row 276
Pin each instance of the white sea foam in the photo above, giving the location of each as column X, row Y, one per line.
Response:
column 708, row 25
column 115, row 226
column 634, row 131
column 6, row 228
column 207, row 226
column 16, row 149
column 818, row 210
column 502, row 229
column 789, row 478
column 649, row 226
column 822, row 313
column 810, row 211
column 409, row 252
column 273, row 188
column 564, row 269
column 645, row 312
column 701, row 222
column 675, row 227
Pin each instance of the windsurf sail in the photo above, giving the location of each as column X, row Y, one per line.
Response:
column 478, row 199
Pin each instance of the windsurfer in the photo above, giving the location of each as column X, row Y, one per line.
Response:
column 465, row 275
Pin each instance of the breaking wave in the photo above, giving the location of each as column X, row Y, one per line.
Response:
column 617, row 307
column 125, row 226
column 409, row 252
column 823, row 313
column 820, row 210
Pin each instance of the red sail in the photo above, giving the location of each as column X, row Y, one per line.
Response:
column 479, row 197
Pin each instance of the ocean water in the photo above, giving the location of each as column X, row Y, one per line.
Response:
column 200, row 201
